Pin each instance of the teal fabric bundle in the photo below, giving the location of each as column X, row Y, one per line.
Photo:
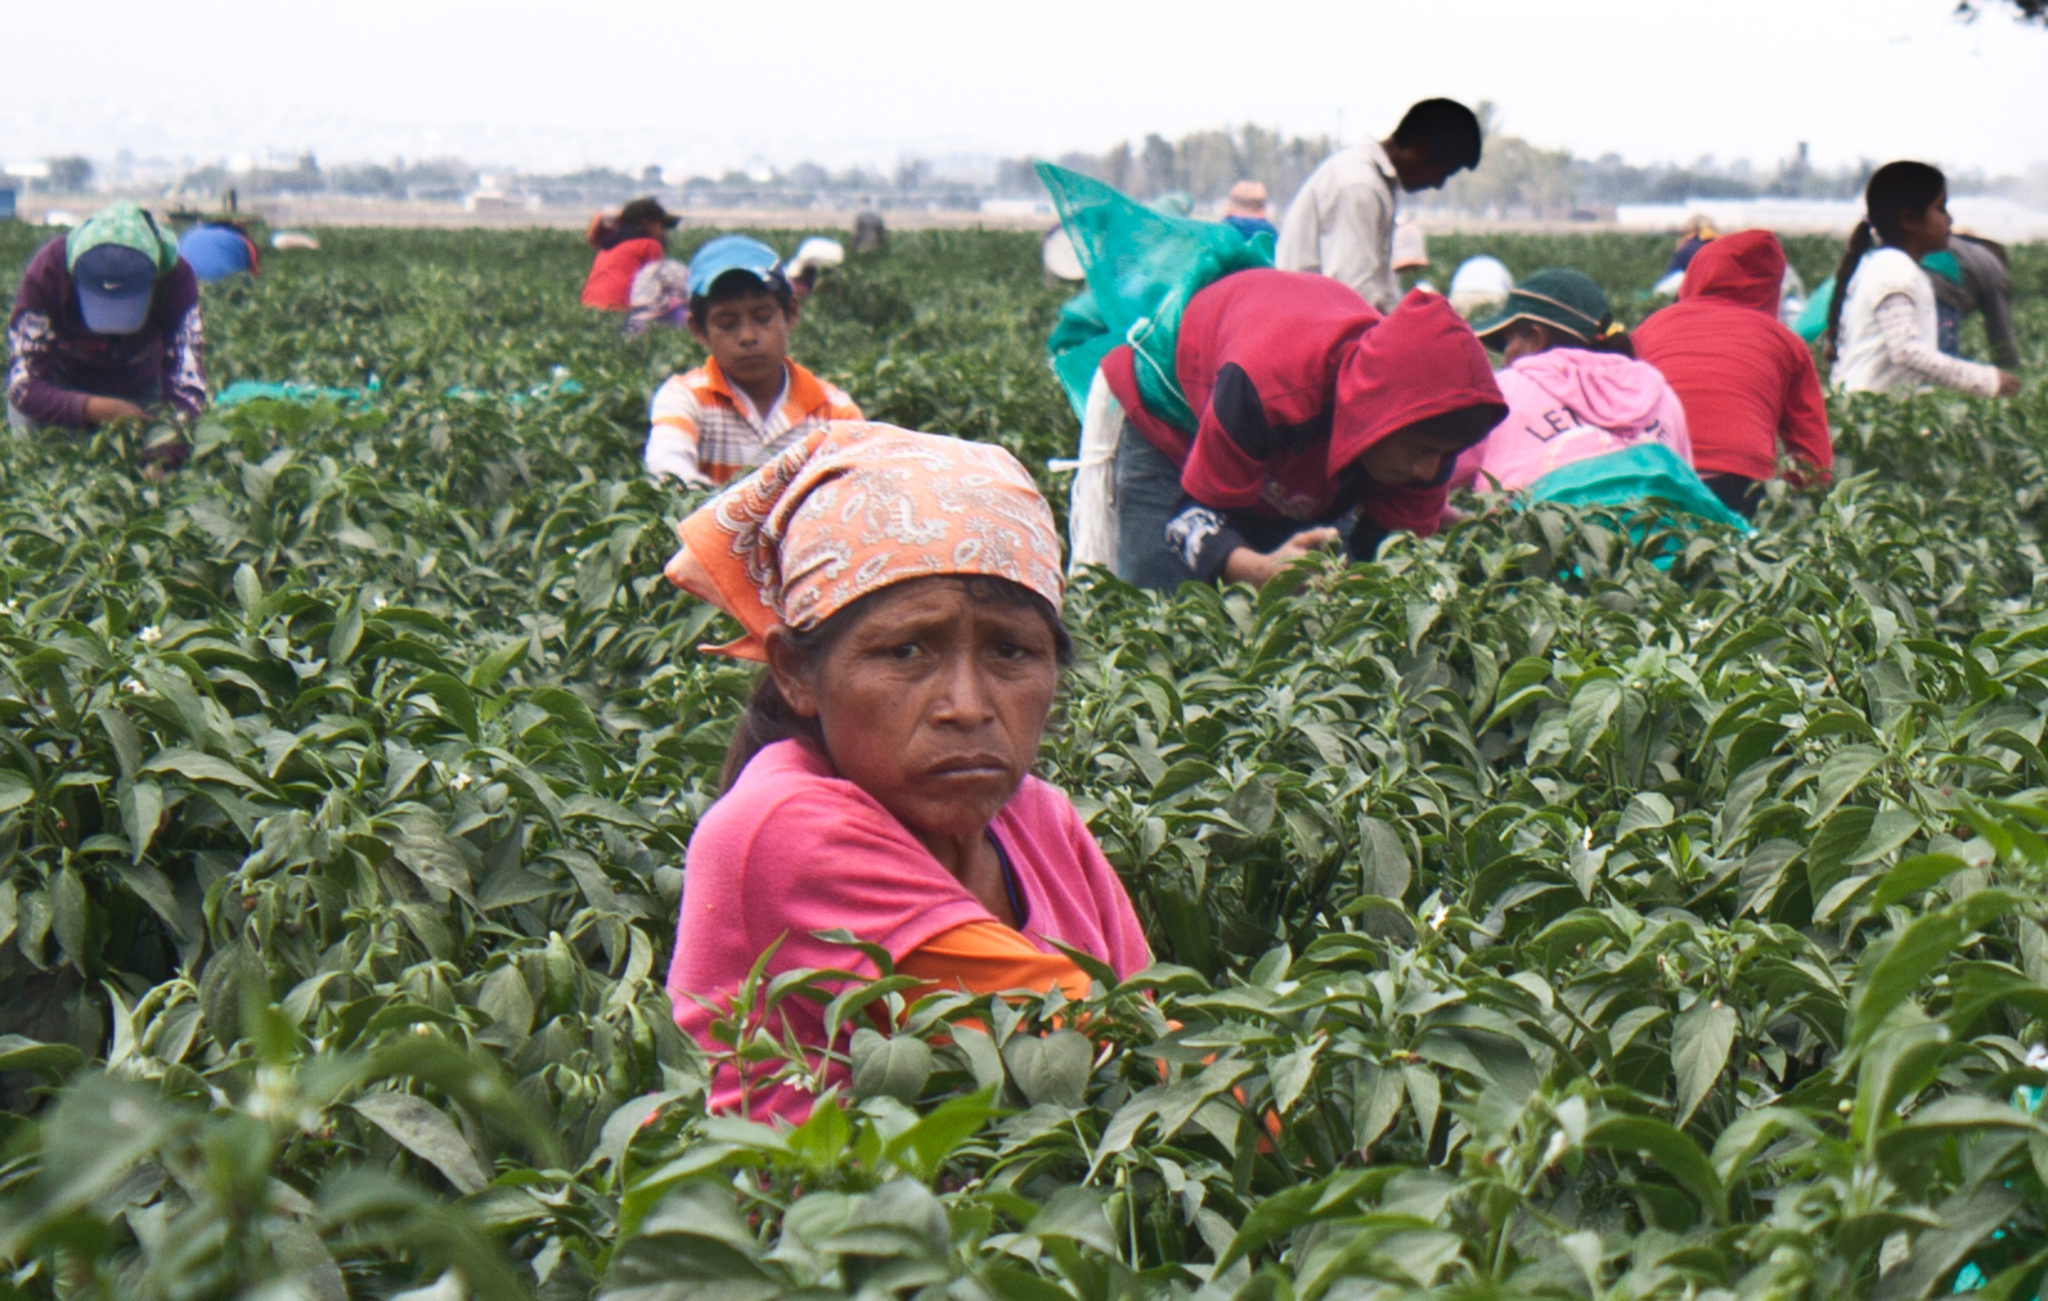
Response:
column 1645, row 472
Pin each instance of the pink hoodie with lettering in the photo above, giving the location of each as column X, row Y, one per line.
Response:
column 1565, row 405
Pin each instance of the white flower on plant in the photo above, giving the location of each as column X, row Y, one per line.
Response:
column 1438, row 916
column 454, row 777
column 132, row 684
column 151, row 635
column 377, row 601
column 10, row 608
column 1439, row 592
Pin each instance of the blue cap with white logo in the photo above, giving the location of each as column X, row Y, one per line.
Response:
column 115, row 284
column 729, row 253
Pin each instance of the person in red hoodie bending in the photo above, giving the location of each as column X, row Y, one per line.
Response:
column 624, row 244
column 1751, row 395
column 1313, row 411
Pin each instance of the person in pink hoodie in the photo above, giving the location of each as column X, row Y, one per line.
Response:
column 1573, row 387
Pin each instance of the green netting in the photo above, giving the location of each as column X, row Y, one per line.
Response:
column 250, row 390
column 1142, row 267
column 1077, row 345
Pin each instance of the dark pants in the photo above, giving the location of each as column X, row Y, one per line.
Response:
column 1147, row 496
column 1737, row 493
column 1948, row 328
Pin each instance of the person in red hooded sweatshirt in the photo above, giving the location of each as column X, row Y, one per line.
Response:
column 1751, row 395
column 1313, row 412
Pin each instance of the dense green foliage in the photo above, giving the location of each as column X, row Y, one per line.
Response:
column 1532, row 921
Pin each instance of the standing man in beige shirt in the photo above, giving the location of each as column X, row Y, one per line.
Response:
column 1341, row 223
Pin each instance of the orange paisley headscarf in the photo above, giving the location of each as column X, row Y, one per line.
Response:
column 851, row 509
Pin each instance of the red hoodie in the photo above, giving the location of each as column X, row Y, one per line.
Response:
column 610, row 285
column 1747, row 383
column 1293, row 375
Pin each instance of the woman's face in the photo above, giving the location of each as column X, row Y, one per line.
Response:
column 1526, row 339
column 1410, row 458
column 933, row 702
column 1928, row 231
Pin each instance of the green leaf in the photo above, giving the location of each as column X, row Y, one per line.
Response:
column 925, row 1147
column 142, row 809
column 15, row 790
column 1840, row 773
column 892, row 1066
column 68, row 917
column 347, row 634
column 1593, row 704
column 1387, row 869
column 51, row 1061
column 1700, row 1040
column 195, row 766
column 1075, row 1214
column 419, row 1127
column 248, row 589
column 454, row 698
column 1049, row 1068
column 1290, row 1074
column 1911, row 956
column 494, row 666
column 1664, row 1149
column 1910, row 876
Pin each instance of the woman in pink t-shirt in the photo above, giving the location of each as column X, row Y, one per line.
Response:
column 1573, row 386
column 904, row 591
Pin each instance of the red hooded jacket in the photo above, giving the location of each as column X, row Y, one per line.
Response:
column 1748, row 384
column 1292, row 375
column 610, row 284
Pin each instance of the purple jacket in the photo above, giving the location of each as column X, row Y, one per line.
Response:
column 55, row 363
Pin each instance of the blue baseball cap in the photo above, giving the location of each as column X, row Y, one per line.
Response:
column 114, row 284
column 729, row 253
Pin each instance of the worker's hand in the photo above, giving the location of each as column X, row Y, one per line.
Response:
column 102, row 411
column 1259, row 568
column 2008, row 384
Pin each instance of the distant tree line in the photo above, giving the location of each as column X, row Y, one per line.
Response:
column 1515, row 178
column 1203, row 165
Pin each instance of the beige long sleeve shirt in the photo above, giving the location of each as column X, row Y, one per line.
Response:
column 1341, row 224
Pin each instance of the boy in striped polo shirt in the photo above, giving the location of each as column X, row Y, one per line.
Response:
column 748, row 401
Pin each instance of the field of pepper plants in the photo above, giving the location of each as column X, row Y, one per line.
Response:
column 1570, row 906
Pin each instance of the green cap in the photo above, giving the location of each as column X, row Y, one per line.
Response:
column 1559, row 297
column 124, row 225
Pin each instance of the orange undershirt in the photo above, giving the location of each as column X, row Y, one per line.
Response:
column 990, row 958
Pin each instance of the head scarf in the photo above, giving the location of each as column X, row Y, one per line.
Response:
column 853, row 508
column 124, row 224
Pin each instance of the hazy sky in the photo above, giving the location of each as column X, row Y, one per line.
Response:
column 700, row 87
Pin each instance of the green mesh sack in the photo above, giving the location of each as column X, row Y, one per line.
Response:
column 1077, row 345
column 1142, row 268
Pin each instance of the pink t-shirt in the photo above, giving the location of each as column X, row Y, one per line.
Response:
column 1565, row 405
column 792, row 849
